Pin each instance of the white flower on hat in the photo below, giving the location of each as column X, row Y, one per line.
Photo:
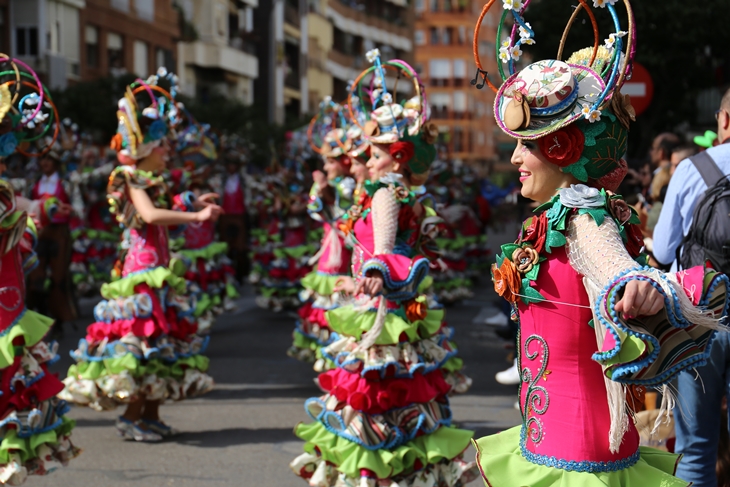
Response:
column 528, row 41
column 590, row 114
column 603, row 3
column 512, row 4
column 611, row 41
column 515, row 53
column 504, row 54
column 387, row 98
column 372, row 55
column 524, row 33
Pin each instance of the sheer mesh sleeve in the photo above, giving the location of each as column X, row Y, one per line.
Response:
column 384, row 213
column 597, row 252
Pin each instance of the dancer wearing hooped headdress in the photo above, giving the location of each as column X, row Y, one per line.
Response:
column 596, row 325
column 35, row 431
column 385, row 418
column 329, row 199
column 143, row 348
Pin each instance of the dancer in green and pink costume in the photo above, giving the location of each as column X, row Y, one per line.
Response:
column 596, row 325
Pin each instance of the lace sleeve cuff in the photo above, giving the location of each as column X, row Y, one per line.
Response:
column 651, row 350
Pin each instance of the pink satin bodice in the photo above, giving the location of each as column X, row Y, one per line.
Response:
column 567, row 415
column 148, row 248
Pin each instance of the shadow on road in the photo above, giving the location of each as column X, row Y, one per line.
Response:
column 234, row 436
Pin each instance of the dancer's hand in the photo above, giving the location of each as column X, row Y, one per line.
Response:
column 210, row 212
column 204, row 200
column 64, row 209
column 344, row 284
column 640, row 299
column 319, row 178
column 370, row 285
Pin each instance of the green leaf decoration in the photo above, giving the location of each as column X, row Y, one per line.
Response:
column 642, row 259
column 592, row 324
column 634, row 220
column 598, row 214
column 508, row 250
column 531, row 295
column 500, row 260
column 542, row 259
column 578, row 170
column 554, row 239
column 562, row 222
column 532, row 275
column 591, row 131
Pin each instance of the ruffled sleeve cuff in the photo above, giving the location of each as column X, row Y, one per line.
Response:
column 184, row 201
column 650, row 351
column 401, row 275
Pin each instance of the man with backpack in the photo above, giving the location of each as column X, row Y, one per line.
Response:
column 694, row 229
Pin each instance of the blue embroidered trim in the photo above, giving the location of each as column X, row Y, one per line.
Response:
column 396, row 290
column 399, row 437
column 24, row 431
column 333, row 336
column 15, row 322
column 577, row 466
column 188, row 197
column 419, row 367
column 621, row 373
column 117, row 349
column 563, row 105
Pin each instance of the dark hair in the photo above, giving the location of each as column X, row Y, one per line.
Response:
column 668, row 142
column 725, row 103
column 689, row 150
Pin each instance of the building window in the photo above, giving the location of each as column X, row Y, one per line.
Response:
column 115, row 51
column 462, row 34
column 447, row 5
column 141, row 59
column 91, row 35
column 434, row 5
column 420, row 38
column 439, row 72
column 420, row 6
column 433, row 35
column 163, row 57
column 122, row 5
column 145, row 9
column 447, row 34
column 26, row 41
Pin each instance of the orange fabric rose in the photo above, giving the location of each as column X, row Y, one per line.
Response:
column 116, row 143
column 507, row 280
column 415, row 310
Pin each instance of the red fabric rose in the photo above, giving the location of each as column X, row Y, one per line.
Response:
column 563, row 147
column 536, row 233
column 402, row 151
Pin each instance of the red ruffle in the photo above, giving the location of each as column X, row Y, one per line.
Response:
column 312, row 315
column 25, row 398
column 377, row 397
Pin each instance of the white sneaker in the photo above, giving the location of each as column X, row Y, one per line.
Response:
column 509, row 377
column 497, row 320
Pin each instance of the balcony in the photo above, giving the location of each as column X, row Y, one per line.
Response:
column 291, row 15
column 382, row 30
column 214, row 56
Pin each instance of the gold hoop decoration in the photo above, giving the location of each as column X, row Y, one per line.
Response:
column 17, row 76
column 594, row 24
column 475, row 48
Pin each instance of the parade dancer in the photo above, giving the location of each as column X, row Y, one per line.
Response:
column 36, row 434
column 143, row 348
column 329, row 199
column 596, row 325
column 385, row 417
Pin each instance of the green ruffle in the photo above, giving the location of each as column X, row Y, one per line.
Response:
column 269, row 292
column 319, row 283
column 349, row 322
column 454, row 364
column 31, row 326
column 296, row 252
column 425, row 284
column 444, row 444
column 206, row 253
column 452, row 284
column 303, row 342
column 27, row 448
column 156, row 279
column 501, row 463
column 134, row 365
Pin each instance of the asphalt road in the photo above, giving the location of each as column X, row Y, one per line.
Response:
column 240, row 434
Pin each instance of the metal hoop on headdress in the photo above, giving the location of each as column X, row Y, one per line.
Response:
column 322, row 123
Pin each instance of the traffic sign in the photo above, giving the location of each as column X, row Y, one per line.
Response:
column 640, row 88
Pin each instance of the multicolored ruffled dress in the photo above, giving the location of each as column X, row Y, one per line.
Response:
column 209, row 271
column 333, row 261
column 35, row 432
column 144, row 339
column 582, row 364
column 385, row 416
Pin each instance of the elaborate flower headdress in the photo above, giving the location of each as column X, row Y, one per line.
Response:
column 401, row 124
column 141, row 128
column 327, row 130
column 29, row 122
column 574, row 108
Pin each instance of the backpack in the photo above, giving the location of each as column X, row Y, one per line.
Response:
column 708, row 238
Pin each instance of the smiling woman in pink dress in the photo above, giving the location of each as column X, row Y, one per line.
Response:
column 596, row 324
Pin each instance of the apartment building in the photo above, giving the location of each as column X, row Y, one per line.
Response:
column 217, row 51
column 444, row 31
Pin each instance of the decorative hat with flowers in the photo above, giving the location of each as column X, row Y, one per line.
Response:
column 401, row 125
column 140, row 129
column 574, row 109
